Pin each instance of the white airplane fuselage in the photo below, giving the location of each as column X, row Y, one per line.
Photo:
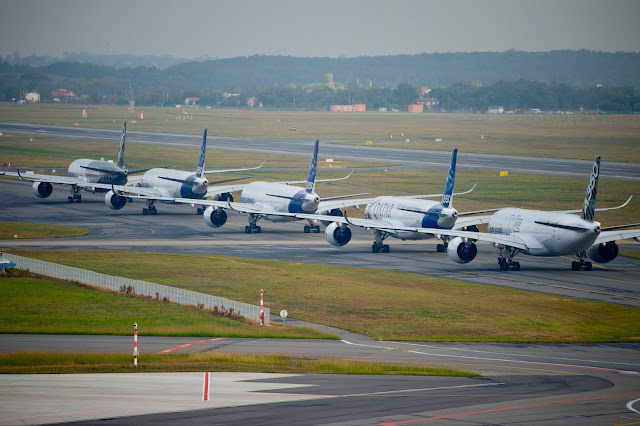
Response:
column 161, row 180
column 546, row 233
column 269, row 197
column 109, row 172
column 409, row 212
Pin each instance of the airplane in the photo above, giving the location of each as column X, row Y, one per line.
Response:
column 535, row 233
column 273, row 201
column 162, row 184
column 82, row 174
column 410, row 211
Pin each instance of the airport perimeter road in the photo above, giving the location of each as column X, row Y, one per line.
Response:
column 405, row 158
column 533, row 384
column 177, row 229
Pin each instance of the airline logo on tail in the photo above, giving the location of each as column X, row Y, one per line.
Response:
column 121, row 151
column 203, row 149
column 447, row 193
column 589, row 206
column 311, row 180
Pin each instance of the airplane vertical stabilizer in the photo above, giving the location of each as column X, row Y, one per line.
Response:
column 203, row 150
column 447, row 193
column 121, row 151
column 589, row 206
column 311, row 179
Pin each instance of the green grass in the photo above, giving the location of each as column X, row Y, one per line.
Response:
column 565, row 137
column 11, row 230
column 45, row 363
column 39, row 305
column 386, row 305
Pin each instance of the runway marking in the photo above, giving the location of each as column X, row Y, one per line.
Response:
column 515, row 407
column 507, row 353
column 186, row 345
column 205, row 386
column 419, row 390
column 630, row 405
column 515, row 361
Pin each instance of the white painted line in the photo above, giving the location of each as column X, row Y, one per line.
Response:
column 423, row 389
column 630, row 405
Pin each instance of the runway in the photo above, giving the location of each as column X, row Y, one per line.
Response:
column 537, row 384
column 403, row 158
column 533, row 384
column 177, row 229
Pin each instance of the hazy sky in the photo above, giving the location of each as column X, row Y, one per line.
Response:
column 229, row 28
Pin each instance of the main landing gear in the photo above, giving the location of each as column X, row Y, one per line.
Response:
column 150, row 209
column 252, row 227
column 582, row 263
column 378, row 245
column 75, row 195
column 442, row 248
column 506, row 262
column 311, row 226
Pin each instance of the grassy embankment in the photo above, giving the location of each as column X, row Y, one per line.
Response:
column 11, row 230
column 385, row 305
column 45, row 363
column 615, row 138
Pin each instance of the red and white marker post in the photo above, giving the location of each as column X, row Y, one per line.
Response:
column 135, row 344
column 262, row 292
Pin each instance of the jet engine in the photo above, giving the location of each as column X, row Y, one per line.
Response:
column 114, row 201
column 337, row 235
column 603, row 253
column 215, row 217
column 227, row 196
column 42, row 189
column 334, row 212
column 461, row 252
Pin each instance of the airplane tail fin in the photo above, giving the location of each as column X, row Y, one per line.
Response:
column 311, row 179
column 121, row 151
column 447, row 193
column 203, row 150
column 589, row 206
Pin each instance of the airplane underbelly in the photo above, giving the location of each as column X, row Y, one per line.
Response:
column 413, row 236
column 277, row 219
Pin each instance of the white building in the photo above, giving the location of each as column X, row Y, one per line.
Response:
column 32, row 97
column 495, row 110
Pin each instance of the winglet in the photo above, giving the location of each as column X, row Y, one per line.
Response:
column 346, row 218
column 589, row 205
column 203, row 149
column 121, row 151
column 19, row 175
column 447, row 193
column 311, row 179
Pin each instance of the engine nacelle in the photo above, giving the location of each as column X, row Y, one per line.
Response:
column 227, row 196
column 334, row 212
column 215, row 217
column 337, row 235
column 114, row 201
column 603, row 253
column 460, row 252
column 42, row 189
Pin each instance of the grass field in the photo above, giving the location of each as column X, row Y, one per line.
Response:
column 11, row 230
column 385, row 305
column 39, row 305
column 43, row 363
column 615, row 138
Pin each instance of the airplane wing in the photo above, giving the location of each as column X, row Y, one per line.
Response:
column 293, row 182
column 603, row 209
column 438, row 195
column 607, row 236
column 234, row 170
column 64, row 180
column 470, row 221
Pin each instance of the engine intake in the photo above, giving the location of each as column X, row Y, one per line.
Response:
column 461, row 252
column 215, row 217
column 603, row 253
column 42, row 189
column 337, row 235
column 227, row 196
column 114, row 201
column 333, row 212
